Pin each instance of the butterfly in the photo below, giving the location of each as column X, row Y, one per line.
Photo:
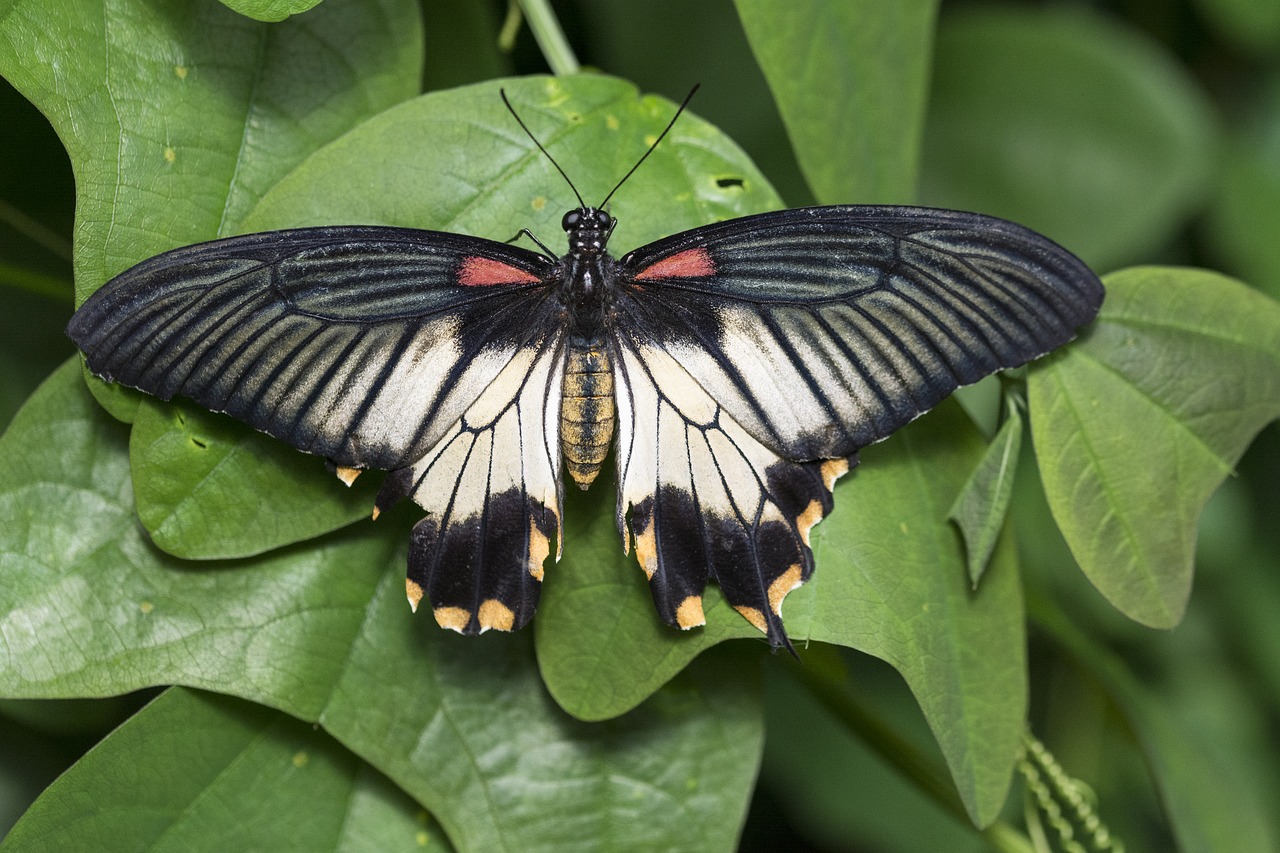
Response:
column 735, row 370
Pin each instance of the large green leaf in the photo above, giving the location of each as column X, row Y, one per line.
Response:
column 850, row 80
column 1069, row 123
column 890, row 581
column 835, row 788
column 89, row 608
column 457, row 161
column 206, row 487
column 197, row 771
column 1194, row 358
column 177, row 118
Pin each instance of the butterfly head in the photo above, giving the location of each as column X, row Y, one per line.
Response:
column 588, row 229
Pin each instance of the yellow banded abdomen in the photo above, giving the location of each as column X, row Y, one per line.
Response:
column 586, row 410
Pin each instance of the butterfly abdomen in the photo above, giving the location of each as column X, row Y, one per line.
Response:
column 586, row 409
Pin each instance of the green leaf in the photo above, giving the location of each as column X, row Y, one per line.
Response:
column 198, row 771
column 467, row 727
column 601, row 647
column 1205, row 801
column 850, row 80
column 1194, row 358
column 733, row 95
column 88, row 607
column 980, row 508
column 179, row 116
column 835, row 788
column 208, row 489
column 890, row 581
column 270, row 10
column 1067, row 122
column 456, row 161
column 230, row 106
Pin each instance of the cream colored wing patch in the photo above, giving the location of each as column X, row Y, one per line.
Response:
column 708, row 501
column 491, row 487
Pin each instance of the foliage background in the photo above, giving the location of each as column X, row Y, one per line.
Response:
column 1132, row 132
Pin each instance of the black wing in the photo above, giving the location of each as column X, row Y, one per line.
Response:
column 749, row 351
column 823, row 330
column 437, row 356
column 360, row 344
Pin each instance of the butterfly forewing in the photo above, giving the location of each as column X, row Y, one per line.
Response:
column 823, row 330
column 362, row 345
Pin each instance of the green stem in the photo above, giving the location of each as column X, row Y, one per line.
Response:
column 901, row 754
column 546, row 31
column 34, row 282
column 35, row 231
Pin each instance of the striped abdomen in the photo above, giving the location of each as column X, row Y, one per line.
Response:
column 586, row 410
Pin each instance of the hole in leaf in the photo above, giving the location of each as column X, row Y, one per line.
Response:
column 198, row 443
column 724, row 183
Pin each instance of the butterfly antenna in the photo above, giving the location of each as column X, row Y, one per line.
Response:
column 525, row 128
column 670, row 124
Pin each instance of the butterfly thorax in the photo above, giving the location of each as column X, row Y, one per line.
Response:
column 587, row 407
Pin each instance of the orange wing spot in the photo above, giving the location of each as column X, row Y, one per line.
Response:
column 453, row 618
column 483, row 272
column 539, row 548
column 755, row 617
column 494, row 614
column 812, row 515
column 689, row 613
column 783, row 584
column 832, row 470
column 647, row 550
column 691, row 263
column 414, row 592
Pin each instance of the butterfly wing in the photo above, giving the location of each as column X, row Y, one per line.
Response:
column 753, row 349
column 706, row 499
column 359, row 344
column 823, row 330
column 414, row 351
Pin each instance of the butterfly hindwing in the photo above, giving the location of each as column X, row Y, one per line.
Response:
column 823, row 330
column 491, row 487
column 703, row 499
column 359, row 344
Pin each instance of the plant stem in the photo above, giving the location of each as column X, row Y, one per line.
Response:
column 546, row 31
column 34, row 282
column 35, row 231
column 899, row 753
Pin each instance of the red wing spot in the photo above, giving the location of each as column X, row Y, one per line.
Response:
column 483, row 272
column 691, row 263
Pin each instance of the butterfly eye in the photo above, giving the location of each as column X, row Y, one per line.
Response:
column 603, row 220
column 571, row 220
